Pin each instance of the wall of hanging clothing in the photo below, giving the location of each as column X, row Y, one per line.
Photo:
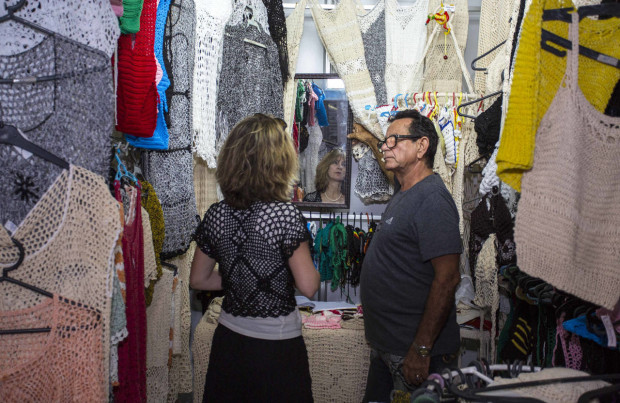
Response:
column 112, row 115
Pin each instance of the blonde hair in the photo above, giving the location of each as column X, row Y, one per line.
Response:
column 258, row 162
column 321, row 180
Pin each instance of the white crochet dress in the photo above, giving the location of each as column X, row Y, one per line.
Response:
column 340, row 33
column 211, row 18
column 405, row 37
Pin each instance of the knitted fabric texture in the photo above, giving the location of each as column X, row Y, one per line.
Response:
column 487, row 127
column 446, row 75
column 364, row 136
column 132, row 351
column 71, row 117
column 118, row 328
column 371, row 184
column 64, row 364
column 567, row 344
column 294, row 30
column 150, row 265
column 180, row 375
column 58, row 233
column 372, row 26
column 158, row 140
column 211, row 17
column 562, row 236
column 136, row 92
column 494, row 28
column 156, row 220
column 117, row 7
column 205, row 186
column 537, row 76
column 255, row 284
column 130, row 21
column 277, row 29
column 336, row 377
column 555, row 392
column 158, row 317
column 262, row 90
column 341, row 36
column 91, row 23
column 487, row 292
column 309, row 158
column 245, row 10
column 177, row 201
column 405, row 38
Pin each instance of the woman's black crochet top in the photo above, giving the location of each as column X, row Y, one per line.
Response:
column 252, row 247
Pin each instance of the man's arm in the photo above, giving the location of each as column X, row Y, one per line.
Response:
column 438, row 306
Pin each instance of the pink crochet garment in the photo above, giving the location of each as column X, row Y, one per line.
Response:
column 65, row 364
column 571, row 348
column 325, row 320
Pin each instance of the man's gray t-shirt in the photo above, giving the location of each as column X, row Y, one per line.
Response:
column 418, row 225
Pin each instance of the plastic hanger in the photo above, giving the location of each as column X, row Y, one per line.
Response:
column 546, row 37
column 564, row 14
column 252, row 21
column 488, row 52
column 121, row 170
column 458, row 109
column 5, row 277
column 13, row 136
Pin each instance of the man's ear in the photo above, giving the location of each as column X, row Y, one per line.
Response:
column 423, row 144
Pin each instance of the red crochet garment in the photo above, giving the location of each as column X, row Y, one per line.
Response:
column 132, row 350
column 136, row 99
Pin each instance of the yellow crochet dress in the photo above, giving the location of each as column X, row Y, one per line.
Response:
column 536, row 78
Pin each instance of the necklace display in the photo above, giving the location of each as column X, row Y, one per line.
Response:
column 333, row 200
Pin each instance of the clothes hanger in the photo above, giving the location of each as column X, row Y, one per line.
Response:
column 251, row 21
column 13, row 136
column 121, row 170
column 5, row 277
column 458, row 109
column 564, row 14
column 546, row 37
column 488, row 52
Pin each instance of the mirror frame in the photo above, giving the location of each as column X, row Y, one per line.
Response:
column 311, row 206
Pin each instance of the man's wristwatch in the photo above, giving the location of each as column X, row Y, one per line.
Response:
column 424, row 351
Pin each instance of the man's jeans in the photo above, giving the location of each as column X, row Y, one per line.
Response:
column 385, row 374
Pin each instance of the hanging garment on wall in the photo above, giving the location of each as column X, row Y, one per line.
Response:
column 372, row 26
column 71, row 117
column 150, row 264
column 277, row 29
column 568, row 221
column 74, row 214
column 309, row 158
column 130, row 20
column 321, row 112
column 91, row 23
column 64, row 364
column 136, row 91
column 158, row 317
column 151, row 204
column 132, row 351
column 405, row 37
column 118, row 317
column 261, row 87
column 340, row 33
column 159, row 139
column 494, row 28
column 371, row 185
column 178, row 201
column 537, row 76
column 211, row 17
column 294, row 30
column 446, row 74
column 246, row 10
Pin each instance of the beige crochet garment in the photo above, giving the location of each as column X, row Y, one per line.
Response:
column 69, row 238
column 340, row 33
column 446, row 75
column 294, row 31
column 568, row 223
column 158, row 316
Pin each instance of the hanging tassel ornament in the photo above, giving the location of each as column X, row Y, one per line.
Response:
column 442, row 17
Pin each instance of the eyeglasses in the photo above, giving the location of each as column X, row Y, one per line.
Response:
column 393, row 139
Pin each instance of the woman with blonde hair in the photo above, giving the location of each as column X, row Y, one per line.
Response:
column 260, row 241
column 330, row 175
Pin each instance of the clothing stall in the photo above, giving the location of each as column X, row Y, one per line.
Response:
column 112, row 117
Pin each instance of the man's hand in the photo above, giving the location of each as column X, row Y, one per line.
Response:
column 415, row 367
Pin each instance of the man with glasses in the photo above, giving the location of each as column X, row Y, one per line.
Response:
column 411, row 269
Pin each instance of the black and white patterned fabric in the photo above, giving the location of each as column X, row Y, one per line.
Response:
column 252, row 247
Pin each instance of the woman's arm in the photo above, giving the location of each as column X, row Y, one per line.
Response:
column 202, row 276
column 307, row 278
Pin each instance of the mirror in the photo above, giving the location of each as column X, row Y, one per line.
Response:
column 323, row 146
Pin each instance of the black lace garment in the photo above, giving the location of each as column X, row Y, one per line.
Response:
column 277, row 30
column 252, row 248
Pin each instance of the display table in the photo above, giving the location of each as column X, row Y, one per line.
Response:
column 338, row 360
